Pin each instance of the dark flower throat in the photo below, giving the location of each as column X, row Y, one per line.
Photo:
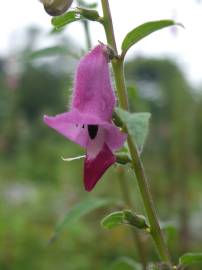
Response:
column 92, row 131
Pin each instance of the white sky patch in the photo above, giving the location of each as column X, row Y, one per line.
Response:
column 184, row 46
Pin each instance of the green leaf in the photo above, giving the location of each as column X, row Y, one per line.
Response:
column 50, row 51
column 113, row 220
column 137, row 125
column 78, row 211
column 132, row 92
column 170, row 229
column 67, row 18
column 190, row 258
column 125, row 263
column 133, row 96
column 142, row 31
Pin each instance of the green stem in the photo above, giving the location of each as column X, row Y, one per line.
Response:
column 124, row 187
column 148, row 202
column 142, row 180
column 87, row 34
column 120, row 83
column 117, row 68
column 108, row 25
column 127, row 198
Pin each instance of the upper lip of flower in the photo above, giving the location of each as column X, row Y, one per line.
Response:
column 89, row 122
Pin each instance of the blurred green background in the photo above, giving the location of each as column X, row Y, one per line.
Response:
column 38, row 189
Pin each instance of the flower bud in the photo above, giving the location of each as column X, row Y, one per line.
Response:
column 89, row 14
column 135, row 220
column 122, row 158
column 117, row 120
column 56, row 7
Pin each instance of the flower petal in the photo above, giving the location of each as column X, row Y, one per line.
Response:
column 72, row 130
column 95, row 168
column 73, row 125
column 114, row 138
column 95, row 145
column 93, row 93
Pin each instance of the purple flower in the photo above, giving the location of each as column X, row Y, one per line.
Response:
column 89, row 121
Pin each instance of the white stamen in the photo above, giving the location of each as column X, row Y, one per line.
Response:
column 72, row 159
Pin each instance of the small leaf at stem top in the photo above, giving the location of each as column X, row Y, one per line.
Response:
column 142, row 31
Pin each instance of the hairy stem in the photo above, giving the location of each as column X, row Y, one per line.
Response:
column 142, row 180
column 127, row 198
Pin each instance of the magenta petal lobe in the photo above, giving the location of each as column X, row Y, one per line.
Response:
column 114, row 137
column 66, row 125
column 95, row 168
column 93, row 93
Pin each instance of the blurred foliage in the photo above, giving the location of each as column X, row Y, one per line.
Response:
column 37, row 188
